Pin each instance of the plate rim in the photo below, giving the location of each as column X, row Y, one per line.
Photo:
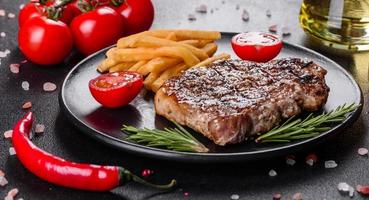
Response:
column 205, row 157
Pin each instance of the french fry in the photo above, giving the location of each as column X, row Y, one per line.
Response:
column 158, row 65
column 196, row 43
column 125, row 42
column 150, row 79
column 136, row 66
column 167, row 75
column 150, row 41
column 222, row 56
column 121, row 67
column 205, row 42
column 187, row 34
column 106, row 64
column 171, row 36
column 210, row 48
column 137, row 54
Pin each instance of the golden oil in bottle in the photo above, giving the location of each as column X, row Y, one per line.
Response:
column 341, row 24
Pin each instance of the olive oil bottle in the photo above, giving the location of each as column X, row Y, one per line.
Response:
column 341, row 24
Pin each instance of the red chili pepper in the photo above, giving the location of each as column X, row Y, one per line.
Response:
column 69, row 174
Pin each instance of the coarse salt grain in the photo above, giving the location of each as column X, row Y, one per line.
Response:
column 27, row 105
column 11, row 15
column 40, row 128
column 13, row 192
column 290, row 161
column 14, row 68
column 8, row 134
column 5, row 53
column 2, row 13
column 343, row 187
column 310, row 162
column 191, row 17
column 235, row 196
column 25, row 85
column 362, row 151
column 49, row 87
column 351, row 191
column 245, row 15
column 286, row 31
column 311, row 159
column 330, row 164
column 3, row 181
column 202, row 9
column 277, row 196
column 2, row 34
column 297, row 196
column 272, row 173
column 273, row 28
column 12, row 151
column 268, row 13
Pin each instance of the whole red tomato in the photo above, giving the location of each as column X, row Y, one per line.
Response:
column 69, row 12
column 116, row 89
column 45, row 41
column 139, row 15
column 97, row 29
column 29, row 11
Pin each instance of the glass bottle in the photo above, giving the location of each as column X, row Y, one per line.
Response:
column 341, row 24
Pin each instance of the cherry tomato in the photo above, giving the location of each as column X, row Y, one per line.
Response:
column 97, row 29
column 256, row 46
column 116, row 89
column 29, row 11
column 69, row 12
column 45, row 41
column 139, row 15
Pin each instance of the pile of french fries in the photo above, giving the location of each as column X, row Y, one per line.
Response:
column 161, row 54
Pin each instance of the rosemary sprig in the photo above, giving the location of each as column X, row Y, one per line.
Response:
column 178, row 139
column 310, row 127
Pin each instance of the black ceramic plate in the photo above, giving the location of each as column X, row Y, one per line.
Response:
column 104, row 124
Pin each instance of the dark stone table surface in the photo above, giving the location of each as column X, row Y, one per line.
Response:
column 249, row 180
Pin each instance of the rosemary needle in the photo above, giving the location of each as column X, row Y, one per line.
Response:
column 310, row 127
column 178, row 139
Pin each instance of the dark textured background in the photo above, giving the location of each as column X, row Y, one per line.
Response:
column 216, row 181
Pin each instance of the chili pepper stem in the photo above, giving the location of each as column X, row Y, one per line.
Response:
column 126, row 176
column 137, row 179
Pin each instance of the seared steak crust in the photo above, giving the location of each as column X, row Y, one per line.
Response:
column 232, row 100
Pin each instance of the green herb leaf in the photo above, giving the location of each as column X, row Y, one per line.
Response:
column 178, row 139
column 310, row 127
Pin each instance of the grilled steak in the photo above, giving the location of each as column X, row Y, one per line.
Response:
column 230, row 101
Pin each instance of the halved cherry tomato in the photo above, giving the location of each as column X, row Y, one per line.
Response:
column 256, row 46
column 116, row 89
